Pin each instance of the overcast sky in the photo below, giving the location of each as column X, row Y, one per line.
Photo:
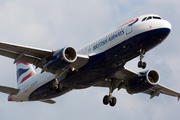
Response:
column 53, row 24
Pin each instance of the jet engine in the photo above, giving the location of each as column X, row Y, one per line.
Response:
column 61, row 59
column 143, row 82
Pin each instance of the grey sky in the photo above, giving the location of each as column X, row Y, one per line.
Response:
column 57, row 23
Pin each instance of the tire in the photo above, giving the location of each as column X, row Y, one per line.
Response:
column 113, row 102
column 106, row 100
column 59, row 87
column 52, row 85
column 143, row 65
column 140, row 64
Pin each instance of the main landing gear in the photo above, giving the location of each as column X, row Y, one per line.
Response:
column 109, row 99
column 140, row 63
column 55, row 85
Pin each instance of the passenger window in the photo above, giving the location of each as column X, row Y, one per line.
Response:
column 149, row 18
column 143, row 19
column 154, row 17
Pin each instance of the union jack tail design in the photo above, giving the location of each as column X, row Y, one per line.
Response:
column 24, row 71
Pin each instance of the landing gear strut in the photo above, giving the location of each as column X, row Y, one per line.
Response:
column 140, row 63
column 109, row 99
column 55, row 85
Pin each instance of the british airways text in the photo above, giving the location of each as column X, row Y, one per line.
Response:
column 108, row 39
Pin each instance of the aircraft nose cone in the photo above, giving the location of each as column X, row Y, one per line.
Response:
column 167, row 24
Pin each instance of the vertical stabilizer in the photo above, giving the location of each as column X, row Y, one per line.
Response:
column 24, row 71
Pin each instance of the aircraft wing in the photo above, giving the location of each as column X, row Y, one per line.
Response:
column 125, row 75
column 156, row 90
column 122, row 75
column 34, row 56
column 23, row 53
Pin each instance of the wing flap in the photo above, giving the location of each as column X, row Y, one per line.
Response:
column 8, row 90
column 8, row 54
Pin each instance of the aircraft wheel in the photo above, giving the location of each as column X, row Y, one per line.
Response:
column 106, row 100
column 52, row 85
column 143, row 65
column 140, row 64
column 59, row 87
column 113, row 102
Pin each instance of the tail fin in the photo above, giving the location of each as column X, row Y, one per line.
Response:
column 24, row 71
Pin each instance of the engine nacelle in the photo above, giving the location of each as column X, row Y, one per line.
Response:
column 143, row 82
column 61, row 59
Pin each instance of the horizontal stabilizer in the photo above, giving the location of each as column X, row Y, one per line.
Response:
column 49, row 101
column 8, row 90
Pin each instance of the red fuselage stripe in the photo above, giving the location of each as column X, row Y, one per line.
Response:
column 128, row 22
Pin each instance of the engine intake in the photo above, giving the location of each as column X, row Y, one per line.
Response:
column 143, row 82
column 69, row 54
column 62, row 58
column 152, row 77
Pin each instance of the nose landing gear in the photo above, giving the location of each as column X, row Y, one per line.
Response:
column 140, row 63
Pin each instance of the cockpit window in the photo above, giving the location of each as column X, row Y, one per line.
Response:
column 149, row 18
column 154, row 17
column 144, row 19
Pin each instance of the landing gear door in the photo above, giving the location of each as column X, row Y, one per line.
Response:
column 129, row 29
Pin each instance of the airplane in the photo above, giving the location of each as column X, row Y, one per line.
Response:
column 101, row 63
